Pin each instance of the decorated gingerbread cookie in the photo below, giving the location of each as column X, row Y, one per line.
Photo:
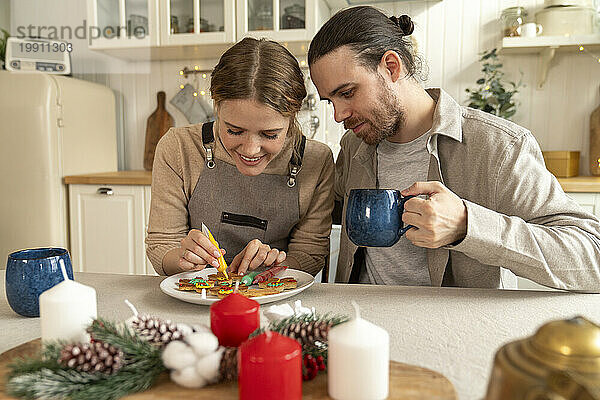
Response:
column 219, row 278
column 201, row 283
column 263, row 291
column 185, row 286
column 285, row 283
column 214, row 291
column 188, row 284
column 234, row 276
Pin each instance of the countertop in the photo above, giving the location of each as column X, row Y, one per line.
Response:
column 577, row 184
column 112, row 178
column 453, row 331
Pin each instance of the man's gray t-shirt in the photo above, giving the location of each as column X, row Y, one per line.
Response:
column 399, row 165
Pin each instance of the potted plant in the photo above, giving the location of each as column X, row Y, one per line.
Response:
column 492, row 95
column 3, row 39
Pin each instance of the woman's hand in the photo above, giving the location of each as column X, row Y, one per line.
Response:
column 254, row 255
column 196, row 252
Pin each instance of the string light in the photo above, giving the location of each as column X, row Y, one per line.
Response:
column 196, row 67
column 585, row 50
column 180, row 86
column 181, row 72
column 202, row 92
column 599, row 162
column 203, row 75
column 195, row 94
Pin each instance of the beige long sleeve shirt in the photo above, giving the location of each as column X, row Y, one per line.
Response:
column 519, row 220
column 179, row 161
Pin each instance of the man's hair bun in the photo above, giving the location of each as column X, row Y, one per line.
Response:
column 404, row 23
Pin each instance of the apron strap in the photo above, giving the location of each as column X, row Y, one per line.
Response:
column 207, row 139
column 296, row 163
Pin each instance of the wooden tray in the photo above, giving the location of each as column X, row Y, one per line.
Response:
column 407, row 382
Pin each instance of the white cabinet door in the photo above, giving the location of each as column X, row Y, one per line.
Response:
column 197, row 22
column 588, row 201
column 107, row 228
column 281, row 20
column 147, row 196
column 118, row 24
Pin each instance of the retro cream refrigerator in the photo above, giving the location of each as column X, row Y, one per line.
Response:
column 50, row 127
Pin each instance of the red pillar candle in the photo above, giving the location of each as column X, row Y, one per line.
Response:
column 270, row 368
column 233, row 319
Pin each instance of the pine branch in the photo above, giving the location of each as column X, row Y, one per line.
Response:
column 42, row 377
column 316, row 348
column 331, row 320
column 134, row 348
column 49, row 384
column 47, row 358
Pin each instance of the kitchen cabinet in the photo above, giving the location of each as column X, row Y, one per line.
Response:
column 282, row 20
column 193, row 22
column 108, row 226
column 122, row 24
column 200, row 29
column 590, row 202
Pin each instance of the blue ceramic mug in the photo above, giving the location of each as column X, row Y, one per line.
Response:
column 29, row 273
column 374, row 217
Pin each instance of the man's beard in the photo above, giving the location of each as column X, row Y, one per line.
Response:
column 387, row 117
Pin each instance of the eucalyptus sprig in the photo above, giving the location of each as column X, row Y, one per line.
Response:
column 491, row 95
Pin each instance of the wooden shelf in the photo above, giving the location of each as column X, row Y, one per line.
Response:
column 546, row 47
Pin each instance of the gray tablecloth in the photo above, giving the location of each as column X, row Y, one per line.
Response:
column 453, row 331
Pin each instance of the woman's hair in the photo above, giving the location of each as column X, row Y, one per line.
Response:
column 265, row 71
column 369, row 33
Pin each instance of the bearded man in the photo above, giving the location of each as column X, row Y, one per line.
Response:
column 487, row 211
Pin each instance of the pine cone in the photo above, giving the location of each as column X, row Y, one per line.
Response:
column 228, row 366
column 94, row 357
column 307, row 333
column 155, row 330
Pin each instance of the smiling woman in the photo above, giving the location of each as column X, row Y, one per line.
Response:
column 262, row 188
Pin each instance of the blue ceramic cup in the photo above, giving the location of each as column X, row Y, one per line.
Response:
column 29, row 273
column 374, row 217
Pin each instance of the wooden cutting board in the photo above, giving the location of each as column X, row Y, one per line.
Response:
column 407, row 382
column 157, row 125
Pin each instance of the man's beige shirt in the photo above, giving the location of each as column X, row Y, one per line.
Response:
column 520, row 222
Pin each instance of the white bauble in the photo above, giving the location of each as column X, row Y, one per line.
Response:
column 178, row 355
column 188, row 377
column 279, row 311
column 185, row 329
column 208, row 366
column 201, row 328
column 203, row 343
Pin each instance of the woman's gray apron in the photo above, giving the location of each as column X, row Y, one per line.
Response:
column 237, row 208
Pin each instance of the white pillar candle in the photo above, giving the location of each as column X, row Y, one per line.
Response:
column 66, row 310
column 358, row 360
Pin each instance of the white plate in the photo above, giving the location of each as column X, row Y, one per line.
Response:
column 168, row 286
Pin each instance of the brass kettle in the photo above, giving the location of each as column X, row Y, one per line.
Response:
column 560, row 362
